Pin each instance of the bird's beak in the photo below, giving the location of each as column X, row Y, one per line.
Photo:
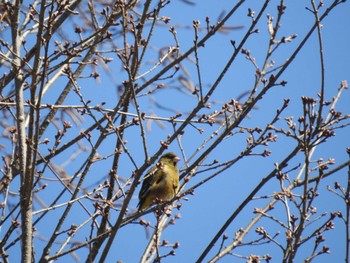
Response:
column 176, row 159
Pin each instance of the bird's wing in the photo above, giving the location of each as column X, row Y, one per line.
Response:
column 148, row 181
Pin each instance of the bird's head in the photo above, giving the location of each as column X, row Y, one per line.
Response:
column 170, row 156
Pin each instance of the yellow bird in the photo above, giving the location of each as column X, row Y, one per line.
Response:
column 161, row 182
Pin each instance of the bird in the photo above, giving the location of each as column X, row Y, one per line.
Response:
column 161, row 182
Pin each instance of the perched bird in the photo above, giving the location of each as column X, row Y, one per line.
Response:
column 160, row 182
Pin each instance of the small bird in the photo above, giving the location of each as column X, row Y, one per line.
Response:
column 160, row 182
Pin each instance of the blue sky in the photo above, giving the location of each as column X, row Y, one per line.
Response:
column 213, row 203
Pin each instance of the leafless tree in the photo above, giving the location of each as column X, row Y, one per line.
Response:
column 87, row 107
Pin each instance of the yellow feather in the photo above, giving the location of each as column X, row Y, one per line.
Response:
column 161, row 182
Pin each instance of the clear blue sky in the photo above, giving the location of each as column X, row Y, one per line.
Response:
column 213, row 203
column 202, row 215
